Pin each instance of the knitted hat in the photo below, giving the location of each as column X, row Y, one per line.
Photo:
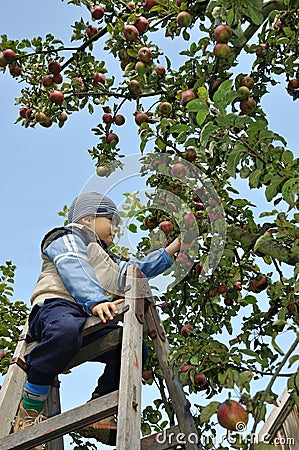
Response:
column 92, row 204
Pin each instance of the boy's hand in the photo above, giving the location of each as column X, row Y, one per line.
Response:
column 106, row 310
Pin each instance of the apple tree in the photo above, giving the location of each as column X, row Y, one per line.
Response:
column 224, row 317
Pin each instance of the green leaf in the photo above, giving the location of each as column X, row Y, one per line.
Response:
column 261, row 240
column 233, row 160
column 287, row 157
column 197, row 105
column 207, row 411
column 289, row 189
column 200, row 116
column 255, row 15
column 273, row 189
column 276, row 347
column 254, row 178
column 293, row 359
column 222, row 90
column 132, row 227
column 178, row 128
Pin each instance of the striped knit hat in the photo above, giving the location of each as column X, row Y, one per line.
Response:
column 92, row 204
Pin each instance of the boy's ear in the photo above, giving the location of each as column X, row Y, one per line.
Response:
column 88, row 220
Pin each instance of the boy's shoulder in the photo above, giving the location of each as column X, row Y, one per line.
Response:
column 83, row 232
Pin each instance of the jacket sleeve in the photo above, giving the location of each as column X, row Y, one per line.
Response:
column 68, row 253
column 150, row 265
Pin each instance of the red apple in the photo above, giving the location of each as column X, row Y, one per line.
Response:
column 166, row 306
column 199, row 206
column 222, row 289
column 2, row 354
column 238, row 286
column 166, row 226
column 228, row 301
column 186, row 329
column 112, row 137
column 141, row 24
column 131, row 5
column 99, row 78
column 258, row 284
column 150, row 223
column 221, row 51
column 57, row 97
column 29, row 114
column 247, row 81
column 185, row 368
column 57, row 78
column 232, row 416
column 91, row 31
column 107, row 118
column 48, row 81
column 160, row 71
column 186, row 96
column 54, row 67
column 198, row 268
column 222, row 33
column 182, row 259
column 293, row 84
column 15, row 71
column 47, row 122
column 183, row 19
column 131, row 33
column 178, row 170
column 200, row 380
column 23, row 111
column 134, row 87
column 147, row 374
column 190, row 154
column 189, row 220
column 140, row 118
column 9, row 55
column 149, row 4
column 144, row 54
column 165, row 109
column 3, row 62
column 40, row 116
column 119, row 119
column 97, row 12
column 262, row 50
column 248, row 106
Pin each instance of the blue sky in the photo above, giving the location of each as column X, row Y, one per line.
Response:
column 44, row 169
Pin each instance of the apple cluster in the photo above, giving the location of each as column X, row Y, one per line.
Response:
column 222, row 34
column 247, row 103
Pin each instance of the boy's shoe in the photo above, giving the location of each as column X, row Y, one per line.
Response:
column 26, row 418
column 103, row 431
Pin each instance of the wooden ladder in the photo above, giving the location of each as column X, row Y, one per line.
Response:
column 138, row 313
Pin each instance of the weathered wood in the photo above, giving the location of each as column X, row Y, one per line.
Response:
column 161, row 441
column 129, row 419
column 11, row 391
column 53, row 407
column 63, row 423
column 179, row 402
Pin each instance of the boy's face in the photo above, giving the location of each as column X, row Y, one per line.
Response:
column 106, row 228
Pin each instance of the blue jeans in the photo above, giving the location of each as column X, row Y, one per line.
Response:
column 57, row 326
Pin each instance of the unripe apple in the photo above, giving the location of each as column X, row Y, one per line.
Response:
column 57, row 78
column 293, row 84
column 189, row 220
column 99, row 78
column 112, row 137
column 231, row 413
column 48, row 81
column 15, row 71
column 3, row 62
column 9, row 55
column 243, row 92
column 149, row 4
column 186, row 329
column 54, row 67
column 186, row 96
column 184, row 19
column 102, row 171
column 166, row 226
column 119, row 119
column 23, row 111
column 97, row 12
column 131, row 33
column 160, row 71
column 165, row 109
column 144, row 54
column 141, row 24
column 57, row 97
column 107, row 118
column 91, row 31
column 222, row 33
column 178, row 170
column 47, row 123
column 40, row 116
column 248, row 106
column 166, row 306
column 134, row 87
column 140, row 118
column 140, row 67
column 221, row 51
column 200, row 380
column 247, row 81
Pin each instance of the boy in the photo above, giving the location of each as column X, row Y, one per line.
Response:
column 79, row 278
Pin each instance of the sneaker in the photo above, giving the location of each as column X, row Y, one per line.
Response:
column 103, row 431
column 26, row 418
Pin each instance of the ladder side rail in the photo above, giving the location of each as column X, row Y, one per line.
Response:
column 53, row 407
column 129, row 407
column 179, row 401
column 62, row 424
column 12, row 389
